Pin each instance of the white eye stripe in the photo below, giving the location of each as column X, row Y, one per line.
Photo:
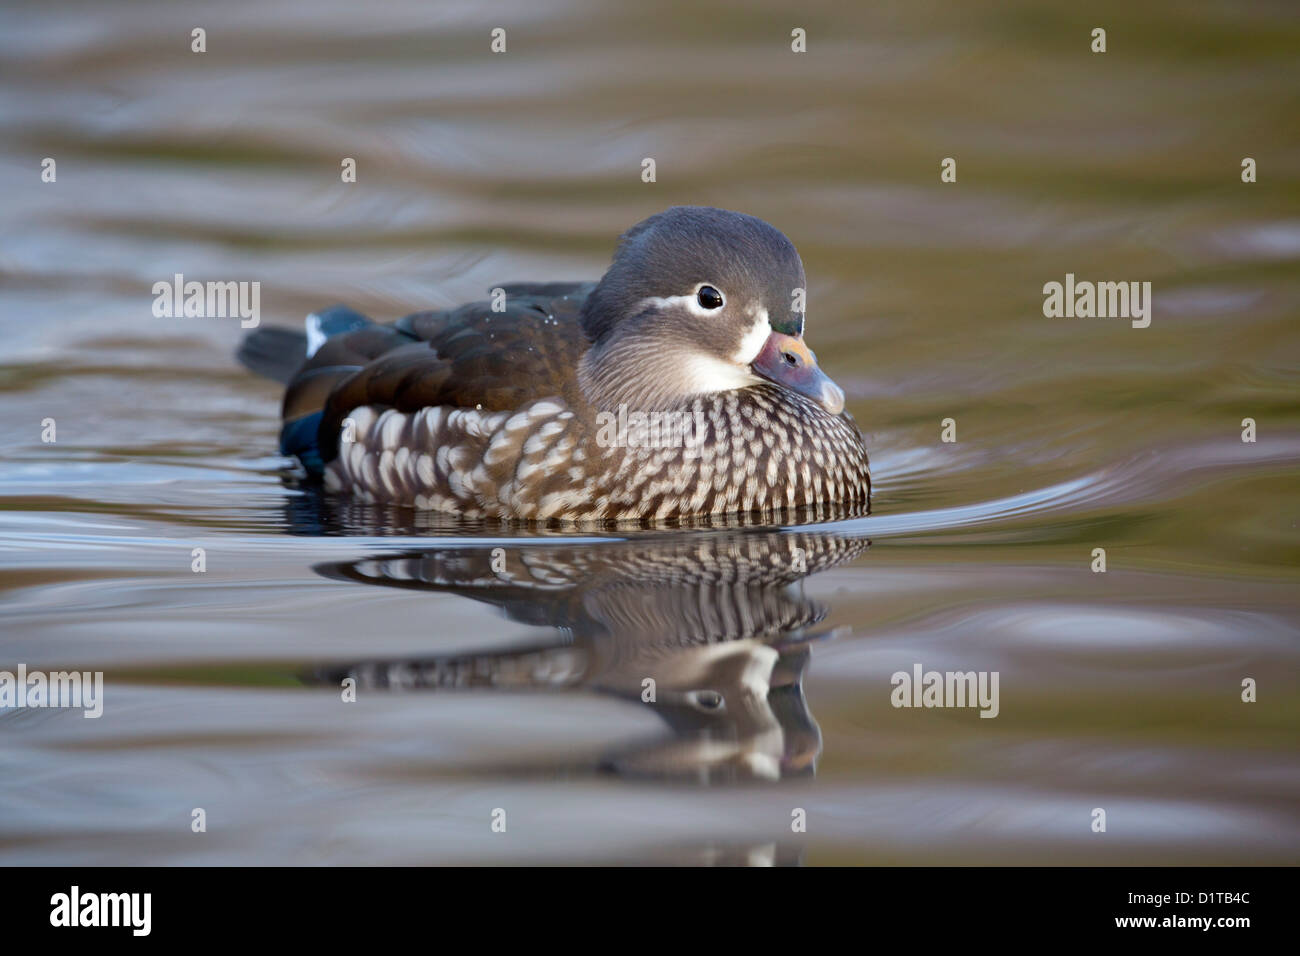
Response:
column 691, row 303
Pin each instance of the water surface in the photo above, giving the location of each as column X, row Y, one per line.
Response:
column 772, row 649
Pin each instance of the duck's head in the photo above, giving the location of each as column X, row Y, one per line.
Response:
column 697, row 301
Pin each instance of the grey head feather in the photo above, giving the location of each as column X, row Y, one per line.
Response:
column 672, row 252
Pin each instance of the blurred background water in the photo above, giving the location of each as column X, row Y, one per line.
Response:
column 1118, row 690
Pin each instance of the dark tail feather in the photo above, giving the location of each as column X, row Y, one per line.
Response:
column 279, row 353
column 274, row 353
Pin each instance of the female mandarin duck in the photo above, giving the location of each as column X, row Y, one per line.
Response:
column 511, row 413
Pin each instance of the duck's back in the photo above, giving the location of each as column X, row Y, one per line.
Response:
column 471, row 360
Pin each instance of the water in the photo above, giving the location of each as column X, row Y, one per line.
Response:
column 479, row 692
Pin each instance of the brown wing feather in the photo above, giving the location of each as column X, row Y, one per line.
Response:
column 465, row 357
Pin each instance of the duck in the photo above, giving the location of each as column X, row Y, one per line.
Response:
column 677, row 386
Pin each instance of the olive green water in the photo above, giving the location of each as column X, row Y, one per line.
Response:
column 520, row 691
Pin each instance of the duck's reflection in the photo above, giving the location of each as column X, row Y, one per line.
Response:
column 711, row 631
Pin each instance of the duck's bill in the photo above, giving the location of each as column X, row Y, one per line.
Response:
column 786, row 360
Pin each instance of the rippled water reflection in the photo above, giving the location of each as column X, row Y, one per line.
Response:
column 710, row 629
column 522, row 689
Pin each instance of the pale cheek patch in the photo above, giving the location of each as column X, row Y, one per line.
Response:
column 706, row 374
column 754, row 339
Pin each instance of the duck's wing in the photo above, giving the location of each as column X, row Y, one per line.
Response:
column 468, row 357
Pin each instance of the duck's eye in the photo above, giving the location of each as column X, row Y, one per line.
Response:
column 709, row 297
